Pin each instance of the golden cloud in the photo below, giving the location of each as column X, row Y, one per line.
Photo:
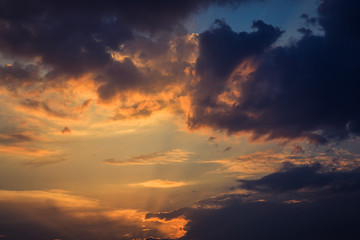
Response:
column 159, row 183
column 64, row 216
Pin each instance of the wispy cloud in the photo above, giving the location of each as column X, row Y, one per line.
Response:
column 162, row 157
column 227, row 149
column 15, row 138
column 24, row 150
column 264, row 162
column 158, row 183
column 43, row 161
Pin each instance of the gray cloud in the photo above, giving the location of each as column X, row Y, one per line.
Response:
column 279, row 210
column 305, row 90
column 71, row 40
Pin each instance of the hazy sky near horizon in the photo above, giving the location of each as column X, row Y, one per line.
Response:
column 171, row 119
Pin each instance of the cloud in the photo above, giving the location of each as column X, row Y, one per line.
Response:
column 53, row 37
column 44, row 161
column 305, row 90
column 281, row 208
column 327, row 218
column 297, row 149
column 66, row 130
column 313, row 177
column 220, row 201
column 227, row 149
column 264, row 162
column 60, row 215
column 164, row 157
column 237, row 82
column 140, row 109
column 43, row 106
column 25, row 151
column 159, row 183
column 15, row 138
column 220, row 51
column 16, row 74
column 309, row 20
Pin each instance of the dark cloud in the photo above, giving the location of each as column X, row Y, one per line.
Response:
column 305, row 31
column 310, row 178
column 279, row 210
column 305, row 90
column 66, row 130
column 15, row 138
column 296, row 149
column 309, row 20
column 86, row 103
column 16, row 74
column 169, row 215
column 227, row 149
column 126, row 76
column 53, row 108
column 221, row 201
column 43, row 106
column 222, row 50
column 72, row 38
column 326, row 219
column 207, row 204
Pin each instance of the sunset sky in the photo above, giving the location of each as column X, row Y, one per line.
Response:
column 181, row 119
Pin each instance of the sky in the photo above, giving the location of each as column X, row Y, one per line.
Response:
column 182, row 120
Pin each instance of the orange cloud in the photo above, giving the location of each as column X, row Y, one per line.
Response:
column 158, row 183
column 24, row 150
column 296, row 201
column 64, row 215
column 173, row 228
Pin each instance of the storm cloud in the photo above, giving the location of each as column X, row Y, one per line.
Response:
column 303, row 202
column 325, row 219
column 306, row 90
column 68, row 39
column 313, row 177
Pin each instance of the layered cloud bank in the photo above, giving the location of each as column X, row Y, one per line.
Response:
column 236, row 82
column 60, row 215
column 309, row 201
column 69, row 40
column 298, row 202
